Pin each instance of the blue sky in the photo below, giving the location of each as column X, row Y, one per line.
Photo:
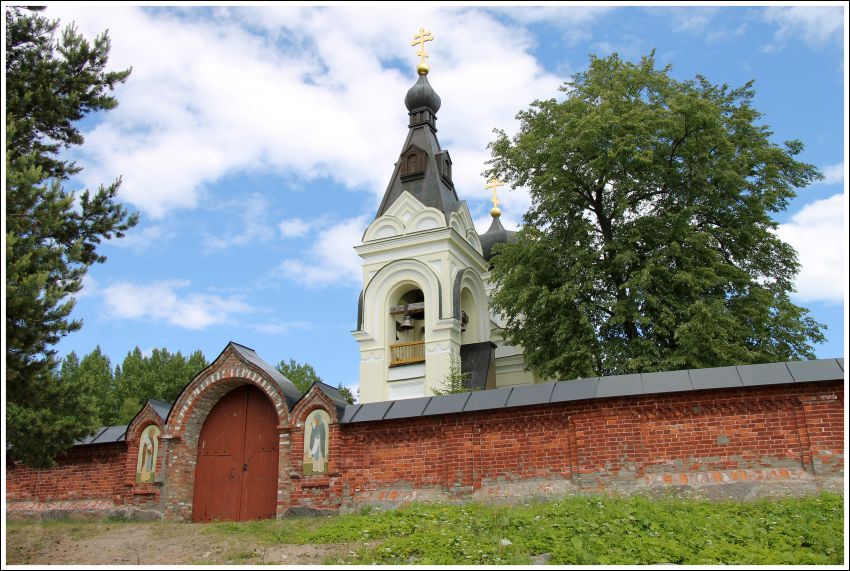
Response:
column 256, row 144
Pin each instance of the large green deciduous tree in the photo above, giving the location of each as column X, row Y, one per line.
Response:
column 51, row 235
column 649, row 244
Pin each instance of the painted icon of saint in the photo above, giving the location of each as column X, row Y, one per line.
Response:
column 146, row 465
column 316, row 443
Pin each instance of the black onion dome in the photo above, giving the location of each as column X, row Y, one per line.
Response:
column 496, row 234
column 422, row 95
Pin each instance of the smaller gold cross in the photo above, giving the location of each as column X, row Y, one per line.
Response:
column 420, row 39
column 493, row 184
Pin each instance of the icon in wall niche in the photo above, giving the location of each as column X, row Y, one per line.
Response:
column 316, row 443
column 148, row 445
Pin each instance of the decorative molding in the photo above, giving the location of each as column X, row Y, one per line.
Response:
column 749, row 406
column 376, row 355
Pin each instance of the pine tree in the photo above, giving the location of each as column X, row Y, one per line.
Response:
column 162, row 375
column 51, row 235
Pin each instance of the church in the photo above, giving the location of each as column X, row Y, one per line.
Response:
column 241, row 442
column 424, row 303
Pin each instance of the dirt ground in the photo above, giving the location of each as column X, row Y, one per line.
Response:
column 156, row 543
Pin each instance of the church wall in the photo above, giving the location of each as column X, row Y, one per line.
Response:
column 90, row 480
column 743, row 443
column 722, row 443
column 87, row 480
column 141, row 494
column 309, row 492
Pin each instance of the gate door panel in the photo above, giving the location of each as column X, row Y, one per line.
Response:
column 236, row 473
column 260, row 460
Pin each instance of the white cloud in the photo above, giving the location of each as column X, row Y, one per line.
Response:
column 141, row 239
column 303, row 92
column 293, row 227
column 332, row 259
column 253, row 219
column 88, row 289
column 692, row 19
column 727, row 34
column 817, row 26
column 817, row 233
column 160, row 302
column 576, row 21
column 279, row 328
column 833, row 174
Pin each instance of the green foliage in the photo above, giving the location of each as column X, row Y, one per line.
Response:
column 649, row 244
column 303, row 375
column 581, row 530
column 51, row 84
column 62, row 407
column 346, row 393
column 113, row 397
column 455, row 381
column 161, row 375
column 51, row 235
column 94, row 373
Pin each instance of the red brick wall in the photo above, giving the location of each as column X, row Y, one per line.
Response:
column 316, row 491
column 732, row 442
column 141, row 494
column 764, row 439
column 96, row 477
column 93, row 472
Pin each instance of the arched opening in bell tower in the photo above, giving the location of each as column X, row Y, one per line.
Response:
column 407, row 326
column 469, row 319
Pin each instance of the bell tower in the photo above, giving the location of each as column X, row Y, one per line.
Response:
column 423, row 296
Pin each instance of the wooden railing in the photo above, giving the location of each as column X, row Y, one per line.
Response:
column 406, row 353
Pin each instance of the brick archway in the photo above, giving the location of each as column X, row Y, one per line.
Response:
column 187, row 418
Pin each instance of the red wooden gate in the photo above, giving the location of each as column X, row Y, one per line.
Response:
column 237, row 470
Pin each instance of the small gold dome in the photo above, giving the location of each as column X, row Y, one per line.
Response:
column 422, row 68
column 495, row 212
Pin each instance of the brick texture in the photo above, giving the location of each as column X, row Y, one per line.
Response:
column 743, row 442
column 93, row 478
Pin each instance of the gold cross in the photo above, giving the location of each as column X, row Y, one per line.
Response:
column 494, row 184
column 420, row 39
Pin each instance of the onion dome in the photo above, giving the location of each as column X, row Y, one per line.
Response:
column 496, row 234
column 422, row 95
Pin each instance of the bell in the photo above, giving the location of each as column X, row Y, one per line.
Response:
column 406, row 323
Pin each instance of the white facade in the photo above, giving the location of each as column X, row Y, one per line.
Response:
column 413, row 247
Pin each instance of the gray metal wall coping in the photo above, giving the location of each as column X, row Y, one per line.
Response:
column 816, row 370
column 105, row 435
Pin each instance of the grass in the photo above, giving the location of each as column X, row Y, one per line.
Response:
column 583, row 530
